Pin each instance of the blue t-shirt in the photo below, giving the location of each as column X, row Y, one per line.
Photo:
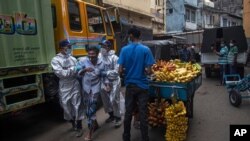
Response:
column 135, row 57
column 185, row 55
column 223, row 55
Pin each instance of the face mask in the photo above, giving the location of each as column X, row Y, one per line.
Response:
column 104, row 51
column 129, row 40
column 68, row 51
column 93, row 59
column 231, row 44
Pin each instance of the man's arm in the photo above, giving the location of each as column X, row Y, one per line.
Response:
column 149, row 61
column 148, row 70
column 120, row 70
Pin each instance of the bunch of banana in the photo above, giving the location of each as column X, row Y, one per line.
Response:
column 196, row 67
column 157, row 112
column 177, row 122
column 175, row 71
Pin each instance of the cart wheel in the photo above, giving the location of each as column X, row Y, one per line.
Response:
column 235, row 98
column 189, row 105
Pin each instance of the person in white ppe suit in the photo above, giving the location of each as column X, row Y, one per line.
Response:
column 64, row 67
column 90, row 73
column 110, row 83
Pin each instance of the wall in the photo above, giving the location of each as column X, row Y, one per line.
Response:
column 231, row 6
column 246, row 17
column 142, row 6
column 132, row 12
column 191, row 26
column 192, row 2
column 230, row 19
column 175, row 21
column 157, row 12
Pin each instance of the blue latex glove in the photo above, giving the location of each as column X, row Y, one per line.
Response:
column 103, row 73
column 77, row 68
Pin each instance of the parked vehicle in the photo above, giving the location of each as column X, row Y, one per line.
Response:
column 29, row 34
column 214, row 36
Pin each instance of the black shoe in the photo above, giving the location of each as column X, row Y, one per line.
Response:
column 110, row 119
column 73, row 125
column 79, row 124
column 79, row 132
column 118, row 123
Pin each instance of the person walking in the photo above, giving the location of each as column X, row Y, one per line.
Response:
column 232, row 57
column 110, row 83
column 135, row 61
column 192, row 53
column 184, row 54
column 90, row 73
column 222, row 60
column 64, row 67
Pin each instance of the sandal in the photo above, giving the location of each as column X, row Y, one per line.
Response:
column 95, row 126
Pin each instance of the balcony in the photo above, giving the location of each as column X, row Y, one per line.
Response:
column 208, row 3
column 191, row 26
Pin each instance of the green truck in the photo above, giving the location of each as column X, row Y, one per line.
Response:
column 26, row 48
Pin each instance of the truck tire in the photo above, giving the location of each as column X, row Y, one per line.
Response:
column 208, row 72
column 51, row 86
column 235, row 98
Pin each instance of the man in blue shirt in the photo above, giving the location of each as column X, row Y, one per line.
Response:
column 135, row 62
column 222, row 60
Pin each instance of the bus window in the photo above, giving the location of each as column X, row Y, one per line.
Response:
column 107, row 23
column 95, row 20
column 74, row 16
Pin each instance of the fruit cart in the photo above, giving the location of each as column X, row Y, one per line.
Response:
column 183, row 91
column 237, row 88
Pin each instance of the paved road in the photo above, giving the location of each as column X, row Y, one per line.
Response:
column 212, row 116
column 213, row 113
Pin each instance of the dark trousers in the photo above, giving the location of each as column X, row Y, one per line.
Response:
column 136, row 94
column 232, row 69
column 222, row 73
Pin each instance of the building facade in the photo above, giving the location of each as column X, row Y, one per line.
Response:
column 246, row 19
column 175, row 16
column 191, row 8
column 208, row 16
column 201, row 14
column 158, row 12
column 132, row 12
